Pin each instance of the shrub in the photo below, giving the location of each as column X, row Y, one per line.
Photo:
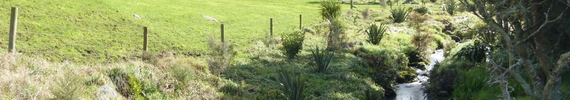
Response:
column 322, row 59
column 415, row 58
column 221, row 54
column 422, row 10
column 474, row 53
column 390, row 3
column 383, row 3
column 440, row 82
column 375, row 33
column 416, row 21
column 443, row 76
column 293, row 85
column 399, row 14
column 136, row 87
column 293, row 43
column 421, row 42
column 366, row 13
column 406, row 75
column 370, row 94
column 410, row 2
column 330, row 9
column 384, row 67
column 450, row 7
column 484, row 33
column 433, row 1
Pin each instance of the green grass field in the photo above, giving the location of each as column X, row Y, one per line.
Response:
column 106, row 29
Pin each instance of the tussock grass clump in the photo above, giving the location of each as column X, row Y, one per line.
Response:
column 25, row 78
column 473, row 84
column 126, row 84
column 182, row 75
column 400, row 14
column 376, row 33
column 322, row 58
column 293, row 85
column 69, row 87
column 40, row 79
column 220, row 55
column 293, row 43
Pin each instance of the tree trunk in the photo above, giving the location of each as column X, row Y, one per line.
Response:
column 534, row 24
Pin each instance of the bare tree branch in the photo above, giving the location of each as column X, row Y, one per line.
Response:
column 537, row 83
column 565, row 3
column 501, row 79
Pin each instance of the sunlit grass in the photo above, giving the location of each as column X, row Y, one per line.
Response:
column 107, row 30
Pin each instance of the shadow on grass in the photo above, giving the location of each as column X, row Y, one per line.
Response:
column 257, row 78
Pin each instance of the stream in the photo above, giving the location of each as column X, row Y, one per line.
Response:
column 414, row 90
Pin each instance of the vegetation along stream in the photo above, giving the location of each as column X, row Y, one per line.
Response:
column 414, row 90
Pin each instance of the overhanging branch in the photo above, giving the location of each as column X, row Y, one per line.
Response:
column 544, row 24
column 555, row 76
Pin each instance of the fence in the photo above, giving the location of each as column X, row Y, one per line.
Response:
column 106, row 42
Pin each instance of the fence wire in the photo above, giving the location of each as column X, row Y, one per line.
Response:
column 104, row 37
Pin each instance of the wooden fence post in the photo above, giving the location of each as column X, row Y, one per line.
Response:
column 300, row 21
column 271, row 27
column 222, row 27
column 13, row 27
column 145, row 41
column 351, row 4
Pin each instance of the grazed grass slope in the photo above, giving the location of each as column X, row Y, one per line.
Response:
column 106, row 29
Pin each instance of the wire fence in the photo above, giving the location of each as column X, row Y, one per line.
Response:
column 104, row 39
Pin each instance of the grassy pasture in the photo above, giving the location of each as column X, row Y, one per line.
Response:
column 105, row 30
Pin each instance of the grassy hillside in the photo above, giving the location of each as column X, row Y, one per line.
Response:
column 106, row 29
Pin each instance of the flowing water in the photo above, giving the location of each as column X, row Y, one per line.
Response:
column 414, row 91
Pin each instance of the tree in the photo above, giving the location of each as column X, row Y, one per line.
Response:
column 530, row 31
column 330, row 10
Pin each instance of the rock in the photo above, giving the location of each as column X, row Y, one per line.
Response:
column 352, row 44
column 136, row 16
column 105, row 92
column 309, row 30
column 210, row 18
